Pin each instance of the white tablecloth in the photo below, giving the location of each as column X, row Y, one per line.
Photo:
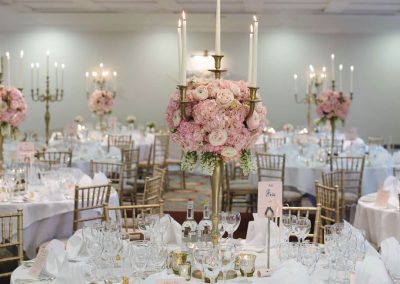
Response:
column 372, row 268
column 44, row 221
column 378, row 223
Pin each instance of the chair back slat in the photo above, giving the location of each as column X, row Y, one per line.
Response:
column 113, row 171
column 152, row 190
column 87, row 199
column 160, row 150
column 11, row 240
column 120, row 141
column 306, row 212
column 126, row 215
column 271, row 167
column 353, row 169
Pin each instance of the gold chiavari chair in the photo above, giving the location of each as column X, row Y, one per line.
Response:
column 175, row 162
column 237, row 191
column 63, row 158
column 126, row 216
column 113, row 171
column 276, row 142
column 158, row 154
column 145, row 165
column 307, row 212
column 272, row 167
column 353, row 170
column 89, row 198
column 335, row 179
column 375, row 141
column 130, row 159
column 120, row 141
column 11, row 239
column 328, row 198
column 326, row 143
column 152, row 190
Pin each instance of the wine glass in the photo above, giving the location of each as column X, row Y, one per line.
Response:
column 146, row 223
column 228, row 256
column 287, row 221
column 200, row 252
column 141, row 256
column 159, row 253
column 231, row 222
column 303, row 225
column 164, row 223
column 221, row 228
column 309, row 255
column 212, row 263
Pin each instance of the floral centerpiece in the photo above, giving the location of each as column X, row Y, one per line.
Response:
column 131, row 119
column 79, row 119
column 13, row 111
column 331, row 107
column 100, row 103
column 217, row 127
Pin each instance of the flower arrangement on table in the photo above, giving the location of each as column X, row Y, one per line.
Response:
column 130, row 119
column 331, row 107
column 100, row 103
column 13, row 110
column 217, row 127
column 79, row 119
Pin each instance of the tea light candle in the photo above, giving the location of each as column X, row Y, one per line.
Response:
column 185, row 270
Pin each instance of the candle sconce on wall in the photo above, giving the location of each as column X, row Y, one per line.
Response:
column 101, row 79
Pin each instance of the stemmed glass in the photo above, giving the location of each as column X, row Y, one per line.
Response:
column 163, row 226
column 221, row 228
column 303, row 227
column 140, row 257
column 228, row 256
column 159, row 253
column 212, row 264
column 309, row 255
column 146, row 223
column 288, row 222
column 231, row 222
column 200, row 253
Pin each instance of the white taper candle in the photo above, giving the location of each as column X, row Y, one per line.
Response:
column 255, row 53
column 179, row 30
column 218, row 29
column 184, row 49
column 249, row 79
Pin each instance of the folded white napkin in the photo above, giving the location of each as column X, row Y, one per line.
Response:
column 85, row 181
column 173, row 233
column 76, row 246
column 55, row 257
column 390, row 252
column 257, row 233
column 71, row 272
column 391, row 184
column 290, row 272
column 100, row 179
column 372, row 271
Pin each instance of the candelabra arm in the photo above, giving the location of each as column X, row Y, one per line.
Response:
column 217, row 66
column 182, row 101
column 333, row 85
column 253, row 101
column 47, row 122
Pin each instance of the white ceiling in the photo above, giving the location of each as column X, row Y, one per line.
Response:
column 343, row 7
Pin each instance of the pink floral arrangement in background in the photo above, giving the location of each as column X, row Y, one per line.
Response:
column 13, row 108
column 217, row 127
column 101, row 102
column 332, row 106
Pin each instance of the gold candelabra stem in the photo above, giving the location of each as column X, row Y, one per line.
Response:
column 216, row 180
column 309, row 99
column 47, row 98
column 217, row 66
column 333, row 85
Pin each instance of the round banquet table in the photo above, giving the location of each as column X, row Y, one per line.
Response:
column 371, row 270
column 47, row 220
column 378, row 223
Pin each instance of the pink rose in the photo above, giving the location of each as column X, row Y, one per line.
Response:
column 218, row 137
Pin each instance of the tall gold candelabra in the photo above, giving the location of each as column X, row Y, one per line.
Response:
column 47, row 98
column 216, row 177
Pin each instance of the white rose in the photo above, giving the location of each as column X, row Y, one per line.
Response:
column 201, row 93
column 218, row 137
column 176, row 118
column 225, row 98
column 253, row 121
column 229, row 152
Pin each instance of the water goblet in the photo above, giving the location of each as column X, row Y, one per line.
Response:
column 231, row 222
column 228, row 256
column 309, row 254
column 140, row 259
column 212, row 264
column 303, row 225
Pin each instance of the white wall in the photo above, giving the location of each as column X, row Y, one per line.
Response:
column 146, row 65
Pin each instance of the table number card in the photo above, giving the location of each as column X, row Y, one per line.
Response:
column 269, row 198
column 112, row 122
column 25, row 151
column 171, row 281
column 382, row 199
column 40, row 262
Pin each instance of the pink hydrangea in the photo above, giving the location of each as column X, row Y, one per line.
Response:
column 13, row 107
column 207, row 115
column 101, row 102
column 332, row 105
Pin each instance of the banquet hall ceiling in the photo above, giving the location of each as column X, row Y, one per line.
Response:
column 342, row 7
